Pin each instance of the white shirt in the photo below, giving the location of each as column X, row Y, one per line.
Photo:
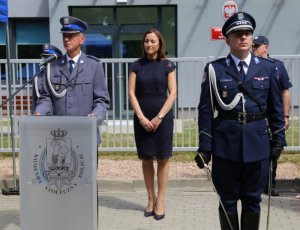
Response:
column 75, row 59
column 247, row 60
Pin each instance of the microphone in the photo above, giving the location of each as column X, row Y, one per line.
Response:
column 49, row 59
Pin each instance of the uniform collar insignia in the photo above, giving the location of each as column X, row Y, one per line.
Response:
column 256, row 59
column 228, row 62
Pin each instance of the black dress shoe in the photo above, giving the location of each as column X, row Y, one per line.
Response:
column 274, row 192
column 266, row 191
column 158, row 217
column 147, row 214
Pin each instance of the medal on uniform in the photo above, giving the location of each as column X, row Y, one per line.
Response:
column 57, row 87
column 224, row 93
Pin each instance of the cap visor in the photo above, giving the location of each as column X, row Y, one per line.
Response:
column 70, row 32
column 239, row 29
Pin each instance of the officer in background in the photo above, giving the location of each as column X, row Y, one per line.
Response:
column 260, row 48
column 78, row 86
column 48, row 50
column 238, row 94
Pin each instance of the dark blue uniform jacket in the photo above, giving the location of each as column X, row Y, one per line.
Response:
column 284, row 79
column 231, row 139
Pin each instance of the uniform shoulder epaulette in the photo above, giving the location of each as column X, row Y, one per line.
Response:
column 275, row 60
column 93, row 57
column 267, row 59
column 218, row 60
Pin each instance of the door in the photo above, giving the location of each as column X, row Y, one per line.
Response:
column 116, row 32
column 117, row 41
column 130, row 42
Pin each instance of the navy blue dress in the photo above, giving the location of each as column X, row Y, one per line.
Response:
column 151, row 93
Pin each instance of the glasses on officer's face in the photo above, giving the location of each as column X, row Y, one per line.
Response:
column 241, row 33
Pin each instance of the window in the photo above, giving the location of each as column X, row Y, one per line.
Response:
column 137, row 15
column 2, row 49
column 26, row 42
column 116, row 32
column 94, row 15
column 2, row 35
column 30, row 38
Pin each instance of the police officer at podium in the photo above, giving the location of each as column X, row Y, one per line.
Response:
column 77, row 84
column 241, row 124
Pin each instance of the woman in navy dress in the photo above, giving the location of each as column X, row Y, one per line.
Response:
column 152, row 92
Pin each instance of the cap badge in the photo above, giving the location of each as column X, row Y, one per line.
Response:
column 66, row 21
column 240, row 16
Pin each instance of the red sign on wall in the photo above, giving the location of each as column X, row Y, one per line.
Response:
column 216, row 33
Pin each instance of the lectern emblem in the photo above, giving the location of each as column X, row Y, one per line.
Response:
column 58, row 164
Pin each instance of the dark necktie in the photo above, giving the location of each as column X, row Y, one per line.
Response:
column 71, row 66
column 242, row 72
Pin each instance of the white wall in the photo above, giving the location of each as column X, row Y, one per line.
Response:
column 277, row 19
column 28, row 8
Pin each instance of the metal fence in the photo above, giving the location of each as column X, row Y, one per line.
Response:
column 117, row 130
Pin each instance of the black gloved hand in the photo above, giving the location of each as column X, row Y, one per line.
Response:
column 275, row 152
column 206, row 158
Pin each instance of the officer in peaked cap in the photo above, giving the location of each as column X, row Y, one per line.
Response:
column 78, row 86
column 240, row 102
column 75, row 83
column 238, row 21
column 261, row 48
column 72, row 25
column 261, row 40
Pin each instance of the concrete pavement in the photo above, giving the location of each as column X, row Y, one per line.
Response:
column 189, row 204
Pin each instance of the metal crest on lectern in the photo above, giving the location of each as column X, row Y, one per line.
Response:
column 58, row 164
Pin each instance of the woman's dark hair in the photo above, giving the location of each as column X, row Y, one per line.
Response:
column 161, row 54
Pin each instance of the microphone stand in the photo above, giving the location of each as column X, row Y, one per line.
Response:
column 22, row 87
column 15, row 189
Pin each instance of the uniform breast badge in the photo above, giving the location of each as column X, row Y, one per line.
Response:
column 224, row 94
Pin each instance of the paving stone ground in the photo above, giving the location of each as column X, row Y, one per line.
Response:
column 186, row 209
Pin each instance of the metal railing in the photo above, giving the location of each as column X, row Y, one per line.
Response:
column 117, row 130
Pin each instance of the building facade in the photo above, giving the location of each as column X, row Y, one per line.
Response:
column 116, row 26
column 115, row 32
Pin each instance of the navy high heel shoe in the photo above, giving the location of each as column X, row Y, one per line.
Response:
column 151, row 213
column 158, row 217
column 147, row 214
